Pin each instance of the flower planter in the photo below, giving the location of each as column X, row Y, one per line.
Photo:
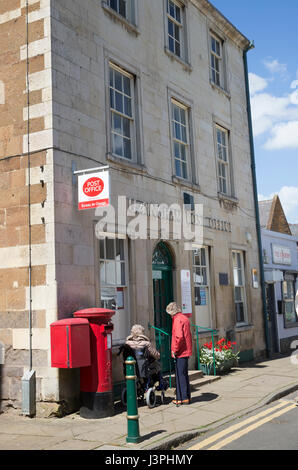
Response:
column 222, row 353
column 208, row 369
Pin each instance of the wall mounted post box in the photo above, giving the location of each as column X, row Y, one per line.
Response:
column 70, row 343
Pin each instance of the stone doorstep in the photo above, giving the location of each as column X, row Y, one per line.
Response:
column 192, row 374
column 196, row 378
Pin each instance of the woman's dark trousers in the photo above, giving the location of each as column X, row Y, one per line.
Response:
column 182, row 379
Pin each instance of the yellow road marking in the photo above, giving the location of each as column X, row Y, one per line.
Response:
column 236, row 436
column 237, row 426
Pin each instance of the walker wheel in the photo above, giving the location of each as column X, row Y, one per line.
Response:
column 124, row 397
column 162, row 397
column 150, row 398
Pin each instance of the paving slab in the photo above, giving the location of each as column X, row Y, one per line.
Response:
column 213, row 403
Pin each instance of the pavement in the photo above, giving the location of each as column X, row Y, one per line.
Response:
column 215, row 401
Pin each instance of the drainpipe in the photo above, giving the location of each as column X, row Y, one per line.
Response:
column 255, row 190
column 29, row 377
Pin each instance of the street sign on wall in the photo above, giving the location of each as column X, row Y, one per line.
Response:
column 93, row 190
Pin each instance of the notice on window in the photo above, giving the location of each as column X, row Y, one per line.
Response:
column 186, row 292
column 93, row 190
column 203, row 295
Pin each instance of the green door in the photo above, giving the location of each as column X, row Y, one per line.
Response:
column 162, row 272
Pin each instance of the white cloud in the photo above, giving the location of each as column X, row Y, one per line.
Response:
column 294, row 84
column 256, row 83
column 268, row 110
column 284, row 135
column 276, row 116
column 275, row 67
column 288, row 196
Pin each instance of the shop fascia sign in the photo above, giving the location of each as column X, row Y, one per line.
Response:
column 93, row 188
column 281, row 255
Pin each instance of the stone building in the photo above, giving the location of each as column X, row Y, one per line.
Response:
column 157, row 91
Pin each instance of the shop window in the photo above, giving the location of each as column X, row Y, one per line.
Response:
column 288, row 297
column 113, row 283
column 239, row 287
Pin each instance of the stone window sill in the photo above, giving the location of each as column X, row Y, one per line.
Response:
column 243, row 327
column 126, row 163
column 120, row 19
column 220, row 89
column 187, row 184
column 173, row 56
column 226, row 198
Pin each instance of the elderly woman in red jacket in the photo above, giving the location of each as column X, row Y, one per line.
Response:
column 181, row 348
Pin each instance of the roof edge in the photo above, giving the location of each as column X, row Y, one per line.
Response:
column 228, row 28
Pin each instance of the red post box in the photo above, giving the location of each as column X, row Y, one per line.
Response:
column 96, row 380
column 70, row 343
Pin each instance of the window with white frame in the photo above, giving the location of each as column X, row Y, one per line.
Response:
column 122, row 112
column 113, row 283
column 180, row 137
column 223, row 165
column 125, row 8
column 239, row 287
column 175, row 27
column 201, row 281
column 216, row 61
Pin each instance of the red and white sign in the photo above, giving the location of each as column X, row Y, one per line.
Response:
column 94, row 190
column 281, row 255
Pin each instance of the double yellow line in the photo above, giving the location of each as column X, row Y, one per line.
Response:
column 257, row 420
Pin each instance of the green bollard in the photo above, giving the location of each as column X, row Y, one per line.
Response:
column 133, row 434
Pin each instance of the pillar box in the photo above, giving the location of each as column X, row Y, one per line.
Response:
column 96, row 384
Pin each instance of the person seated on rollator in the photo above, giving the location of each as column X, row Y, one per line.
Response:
column 138, row 341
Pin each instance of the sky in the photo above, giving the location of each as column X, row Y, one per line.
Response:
column 273, row 74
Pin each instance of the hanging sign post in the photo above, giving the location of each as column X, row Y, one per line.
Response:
column 93, row 188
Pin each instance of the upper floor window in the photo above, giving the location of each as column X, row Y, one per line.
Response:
column 122, row 113
column 174, row 14
column 125, row 8
column 180, row 136
column 216, row 61
column 176, row 34
column 223, row 165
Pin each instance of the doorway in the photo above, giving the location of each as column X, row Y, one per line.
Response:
column 162, row 273
column 271, row 314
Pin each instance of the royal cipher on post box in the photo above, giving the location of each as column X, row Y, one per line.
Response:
column 70, row 343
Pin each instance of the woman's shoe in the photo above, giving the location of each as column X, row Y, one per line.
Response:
column 181, row 402
column 177, row 402
column 186, row 402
